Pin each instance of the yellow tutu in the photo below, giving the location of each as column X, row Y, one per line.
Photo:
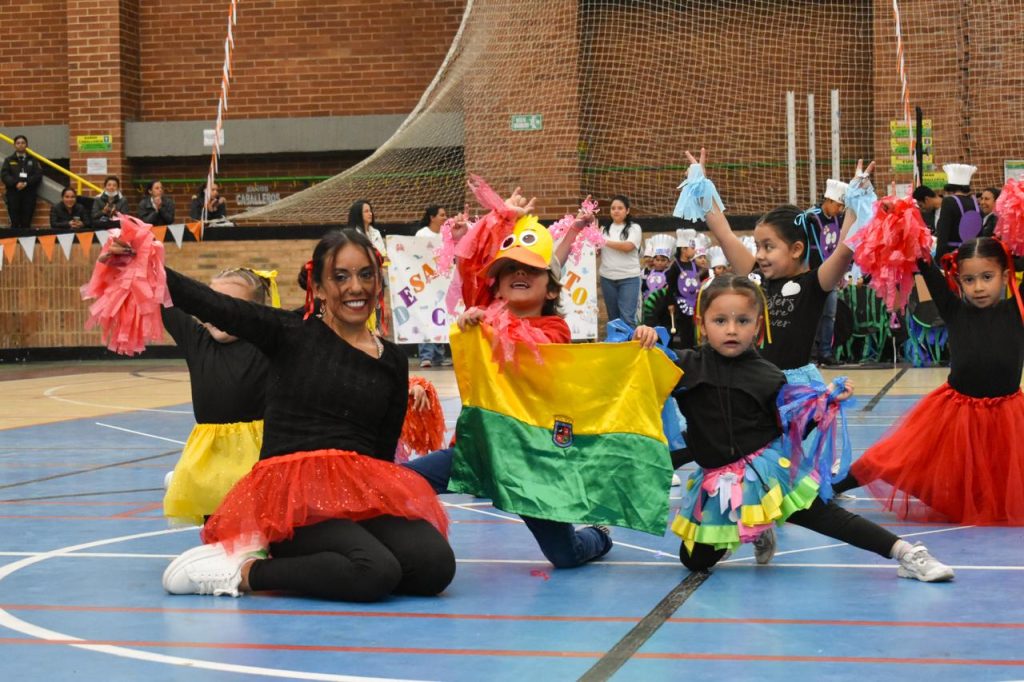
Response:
column 215, row 457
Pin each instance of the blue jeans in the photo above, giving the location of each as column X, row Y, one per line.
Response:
column 621, row 298
column 560, row 542
column 432, row 351
column 827, row 326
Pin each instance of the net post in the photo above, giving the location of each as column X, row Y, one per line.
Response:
column 835, row 134
column 791, row 143
column 812, row 169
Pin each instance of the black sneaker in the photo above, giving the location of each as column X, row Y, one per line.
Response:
column 828, row 361
column 607, row 532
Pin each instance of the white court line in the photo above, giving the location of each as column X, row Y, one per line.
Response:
column 12, row 622
column 49, row 394
column 516, row 519
column 844, row 544
column 523, row 562
column 139, row 433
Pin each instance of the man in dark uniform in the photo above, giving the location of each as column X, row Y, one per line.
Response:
column 21, row 176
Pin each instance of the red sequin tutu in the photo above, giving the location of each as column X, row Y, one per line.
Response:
column 952, row 458
column 287, row 492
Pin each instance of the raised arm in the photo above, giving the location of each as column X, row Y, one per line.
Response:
column 742, row 261
column 946, row 301
column 260, row 325
column 837, row 265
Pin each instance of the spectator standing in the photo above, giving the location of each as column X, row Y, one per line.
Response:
column 21, row 176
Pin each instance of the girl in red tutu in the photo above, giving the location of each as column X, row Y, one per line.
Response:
column 958, row 456
column 339, row 518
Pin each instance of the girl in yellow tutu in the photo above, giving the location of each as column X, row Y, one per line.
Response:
column 229, row 378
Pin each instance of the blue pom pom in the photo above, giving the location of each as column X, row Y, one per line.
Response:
column 697, row 196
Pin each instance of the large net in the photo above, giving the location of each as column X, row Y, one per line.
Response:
column 570, row 97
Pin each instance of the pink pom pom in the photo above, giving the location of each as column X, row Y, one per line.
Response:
column 508, row 331
column 589, row 232
column 129, row 290
column 888, row 248
column 1010, row 209
column 445, row 254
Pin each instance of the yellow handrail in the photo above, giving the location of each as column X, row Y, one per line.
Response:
column 79, row 180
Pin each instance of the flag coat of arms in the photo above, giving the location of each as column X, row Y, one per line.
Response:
column 577, row 438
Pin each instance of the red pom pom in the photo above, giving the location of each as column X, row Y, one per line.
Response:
column 1010, row 209
column 129, row 290
column 423, row 430
column 888, row 248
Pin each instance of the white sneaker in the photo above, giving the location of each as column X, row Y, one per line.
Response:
column 208, row 569
column 167, row 479
column 676, row 481
column 764, row 546
column 918, row 564
column 426, row 364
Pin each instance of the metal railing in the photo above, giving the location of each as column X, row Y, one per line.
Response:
column 79, row 180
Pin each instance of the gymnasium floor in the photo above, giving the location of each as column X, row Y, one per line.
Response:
column 83, row 451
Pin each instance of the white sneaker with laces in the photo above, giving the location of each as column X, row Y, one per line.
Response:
column 918, row 564
column 208, row 569
column 764, row 547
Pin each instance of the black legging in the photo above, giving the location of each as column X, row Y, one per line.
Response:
column 828, row 519
column 848, row 483
column 358, row 561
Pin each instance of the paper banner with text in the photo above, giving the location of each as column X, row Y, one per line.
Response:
column 418, row 291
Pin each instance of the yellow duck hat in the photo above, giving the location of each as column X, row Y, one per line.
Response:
column 530, row 244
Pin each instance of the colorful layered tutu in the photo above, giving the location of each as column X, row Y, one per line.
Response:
column 215, row 457
column 952, row 458
column 287, row 492
column 730, row 505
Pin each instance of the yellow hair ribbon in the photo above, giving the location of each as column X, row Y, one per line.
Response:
column 271, row 277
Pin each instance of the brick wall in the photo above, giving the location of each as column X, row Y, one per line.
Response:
column 34, row 52
column 292, row 57
column 40, row 305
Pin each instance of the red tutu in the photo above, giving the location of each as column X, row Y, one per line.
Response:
column 953, row 458
column 283, row 493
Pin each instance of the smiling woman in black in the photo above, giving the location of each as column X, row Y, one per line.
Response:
column 340, row 519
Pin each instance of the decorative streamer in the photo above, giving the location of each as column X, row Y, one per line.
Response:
column 905, row 90
column 222, row 105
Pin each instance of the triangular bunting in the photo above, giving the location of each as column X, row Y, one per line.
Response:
column 178, row 232
column 8, row 246
column 159, row 232
column 85, row 239
column 67, row 240
column 101, row 237
column 47, row 241
column 29, row 245
column 196, row 228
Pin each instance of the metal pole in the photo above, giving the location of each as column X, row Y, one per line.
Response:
column 812, row 166
column 791, row 143
column 835, row 135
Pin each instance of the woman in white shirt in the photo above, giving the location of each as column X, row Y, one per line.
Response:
column 430, row 226
column 620, row 263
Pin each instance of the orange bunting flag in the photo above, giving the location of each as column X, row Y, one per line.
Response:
column 47, row 241
column 159, row 232
column 85, row 239
column 196, row 228
column 8, row 246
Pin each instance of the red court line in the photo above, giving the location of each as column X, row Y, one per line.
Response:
column 141, row 509
column 44, row 517
column 517, row 653
column 64, row 503
column 514, row 617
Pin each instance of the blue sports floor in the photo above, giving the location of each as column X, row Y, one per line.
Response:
column 83, row 545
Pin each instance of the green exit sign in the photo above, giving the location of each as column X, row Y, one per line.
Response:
column 527, row 122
